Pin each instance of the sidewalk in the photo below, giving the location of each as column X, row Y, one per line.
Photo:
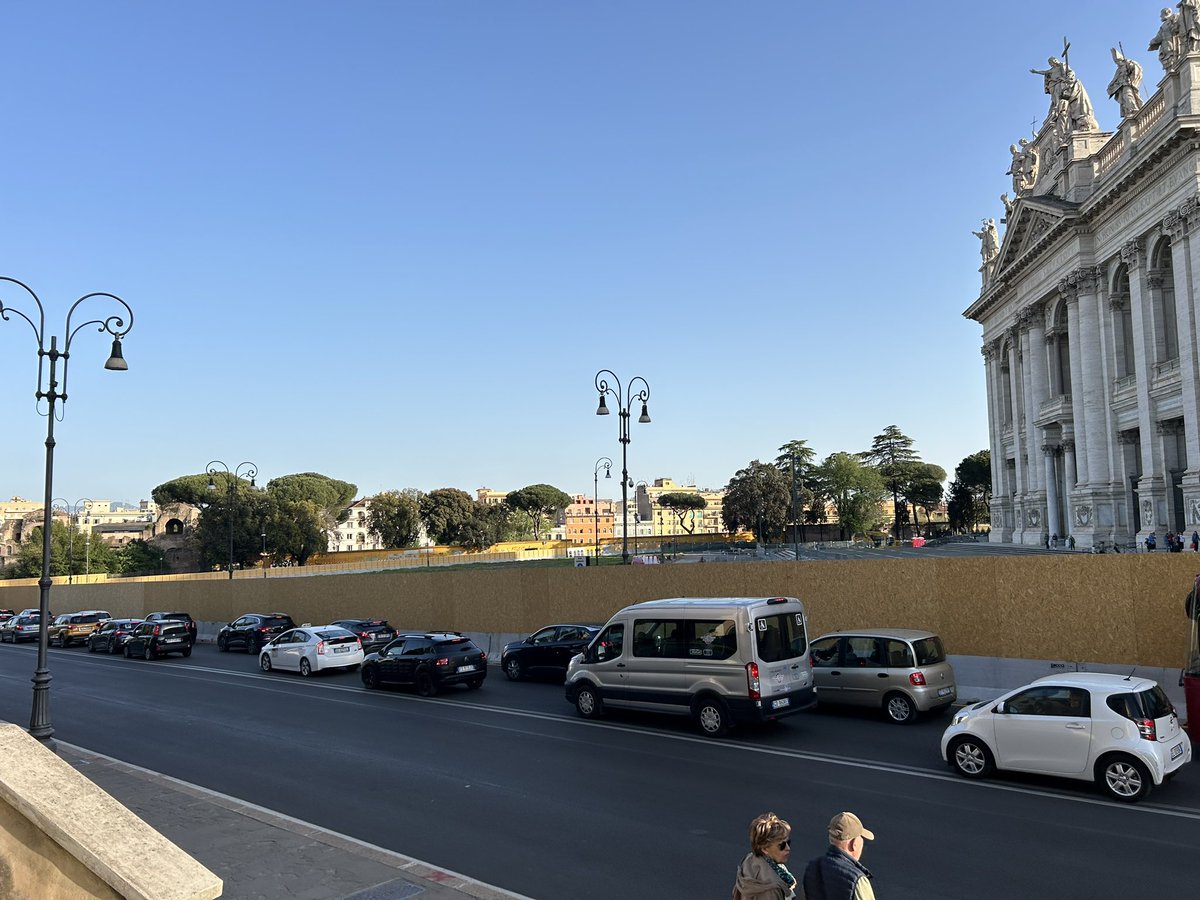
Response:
column 262, row 855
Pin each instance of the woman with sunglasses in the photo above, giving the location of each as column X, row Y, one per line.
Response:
column 763, row 874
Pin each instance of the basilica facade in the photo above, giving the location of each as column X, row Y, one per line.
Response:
column 1091, row 339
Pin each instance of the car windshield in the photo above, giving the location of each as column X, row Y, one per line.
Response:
column 930, row 651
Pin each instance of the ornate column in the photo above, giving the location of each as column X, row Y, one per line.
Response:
column 1014, row 366
column 999, row 532
column 1031, row 322
column 1053, row 523
column 1184, row 262
column 1151, row 489
column 1130, row 480
column 1069, row 288
column 1070, row 478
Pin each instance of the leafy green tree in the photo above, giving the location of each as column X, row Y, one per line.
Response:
column 72, row 552
column 758, row 497
column 539, row 501
column 138, row 557
column 922, row 488
column 681, row 503
column 970, row 495
column 331, row 496
column 448, row 514
column 796, row 461
column 243, row 522
column 190, row 489
column 856, row 491
column 295, row 529
column 396, row 517
column 891, row 454
column 491, row 524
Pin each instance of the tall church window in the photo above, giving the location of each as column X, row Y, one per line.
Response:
column 1162, row 290
column 1062, row 354
column 1123, row 323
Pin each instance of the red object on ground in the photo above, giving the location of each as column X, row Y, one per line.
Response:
column 1191, row 694
column 918, row 542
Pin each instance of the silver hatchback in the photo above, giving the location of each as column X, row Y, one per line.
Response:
column 902, row 671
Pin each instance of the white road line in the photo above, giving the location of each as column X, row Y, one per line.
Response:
column 737, row 746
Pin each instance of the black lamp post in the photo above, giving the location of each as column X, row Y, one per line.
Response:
column 624, row 401
column 606, row 464
column 232, row 477
column 50, row 390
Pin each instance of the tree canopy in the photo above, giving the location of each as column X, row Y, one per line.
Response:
column 970, row 494
column 892, row 456
column 539, row 501
column 855, row 489
column 681, row 503
column 396, row 517
column 758, row 497
column 448, row 514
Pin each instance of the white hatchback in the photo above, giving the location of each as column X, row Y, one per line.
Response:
column 310, row 649
column 1118, row 731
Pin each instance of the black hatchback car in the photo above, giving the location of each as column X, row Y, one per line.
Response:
column 373, row 634
column 150, row 640
column 253, row 630
column 546, row 651
column 428, row 662
column 112, row 635
column 183, row 617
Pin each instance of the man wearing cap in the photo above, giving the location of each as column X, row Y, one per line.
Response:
column 838, row 875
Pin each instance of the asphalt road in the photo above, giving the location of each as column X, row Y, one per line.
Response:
column 508, row 785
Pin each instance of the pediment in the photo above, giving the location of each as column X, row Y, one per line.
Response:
column 1031, row 220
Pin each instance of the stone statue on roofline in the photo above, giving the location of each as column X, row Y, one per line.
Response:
column 1189, row 25
column 989, row 248
column 1008, row 207
column 1070, row 106
column 1024, row 168
column 1168, row 41
column 1126, row 83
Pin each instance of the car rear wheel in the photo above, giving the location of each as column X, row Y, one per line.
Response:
column 900, row 708
column 253, row 645
column 186, row 653
column 475, row 683
column 512, row 669
column 305, row 668
column 147, row 654
column 971, row 758
column 588, row 703
column 1124, row 778
column 710, row 716
column 424, row 684
column 62, row 642
column 112, row 647
column 370, row 678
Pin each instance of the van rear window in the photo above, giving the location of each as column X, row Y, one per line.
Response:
column 780, row 637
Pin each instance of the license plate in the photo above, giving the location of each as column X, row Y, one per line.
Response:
column 466, row 668
column 1177, row 750
column 172, row 640
column 781, row 703
column 945, row 692
column 341, row 649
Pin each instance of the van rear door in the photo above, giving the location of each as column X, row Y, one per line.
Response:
column 781, row 650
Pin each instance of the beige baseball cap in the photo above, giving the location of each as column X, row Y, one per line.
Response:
column 846, row 826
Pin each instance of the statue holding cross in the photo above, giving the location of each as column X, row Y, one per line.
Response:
column 1070, row 106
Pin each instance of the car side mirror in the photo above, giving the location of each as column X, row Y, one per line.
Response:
column 999, row 707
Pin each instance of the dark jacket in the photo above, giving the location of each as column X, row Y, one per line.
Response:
column 833, row 876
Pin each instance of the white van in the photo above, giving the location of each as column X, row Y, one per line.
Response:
column 721, row 660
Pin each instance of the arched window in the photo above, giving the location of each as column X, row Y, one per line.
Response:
column 1162, row 292
column 1122, row 314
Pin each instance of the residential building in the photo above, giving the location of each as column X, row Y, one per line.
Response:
column 588, row 521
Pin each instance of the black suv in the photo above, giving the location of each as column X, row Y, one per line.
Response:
column 112, row 635
column 546, row 651
column 252, row 631
column 150, row 640
column 183, row 617
column 373, row 634
column 427, row 661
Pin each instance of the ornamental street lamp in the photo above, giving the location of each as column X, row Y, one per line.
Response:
column 232, row 477
column 638, row 488
column 50, row 390
column 602, row 463
column 624, row 401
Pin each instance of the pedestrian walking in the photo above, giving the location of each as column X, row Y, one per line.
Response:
column 1196, row 541
column 1054, row 541
column 1151, row 542
column 763, row 874
column 838, row 875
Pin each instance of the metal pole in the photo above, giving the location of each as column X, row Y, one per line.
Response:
column 795, row 538
column 230, row 514
column 39, row 719
column 264, row 554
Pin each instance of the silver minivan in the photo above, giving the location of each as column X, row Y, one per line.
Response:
column 902, row 671
column 721, row 660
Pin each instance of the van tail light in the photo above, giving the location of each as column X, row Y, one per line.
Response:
column 916, row 678
column 752, row 681
column 444, row 661
column 1146, row 729
column 320, row 648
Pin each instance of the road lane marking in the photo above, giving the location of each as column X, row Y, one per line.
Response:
column 181, row 670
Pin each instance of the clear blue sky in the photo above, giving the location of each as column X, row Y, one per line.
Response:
column 393, row 242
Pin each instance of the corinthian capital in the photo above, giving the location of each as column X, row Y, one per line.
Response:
column 1068, row 288
column 1133, row 254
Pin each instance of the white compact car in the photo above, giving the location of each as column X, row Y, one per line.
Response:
column 1120, row 732
column 312, row 649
